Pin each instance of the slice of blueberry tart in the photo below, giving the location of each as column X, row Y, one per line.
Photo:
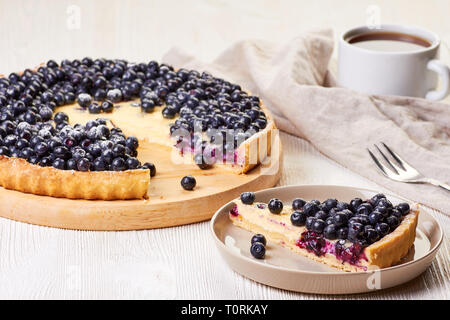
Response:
column 76, row 129
column 357, row 236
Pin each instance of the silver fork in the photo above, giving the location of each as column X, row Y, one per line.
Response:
column 402, row 171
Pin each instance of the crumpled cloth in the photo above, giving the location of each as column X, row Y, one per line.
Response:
column 295, row 84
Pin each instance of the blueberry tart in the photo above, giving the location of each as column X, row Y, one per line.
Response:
column 76, row 129
column 343, row 236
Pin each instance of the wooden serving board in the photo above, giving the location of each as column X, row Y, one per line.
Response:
column 168, row 204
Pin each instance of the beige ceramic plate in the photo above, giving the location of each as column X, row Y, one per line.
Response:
column 286, row 270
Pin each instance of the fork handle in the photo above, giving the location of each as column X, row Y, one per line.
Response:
column 437, row 183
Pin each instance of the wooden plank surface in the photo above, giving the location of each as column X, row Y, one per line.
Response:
column 180, row 262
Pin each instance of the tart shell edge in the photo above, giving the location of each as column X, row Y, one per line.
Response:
column 20, row 175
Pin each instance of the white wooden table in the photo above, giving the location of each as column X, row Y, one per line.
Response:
column 182, row 262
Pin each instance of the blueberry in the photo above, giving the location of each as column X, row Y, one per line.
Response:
column 169, row 113
column 147, row 105
column 340, row 219
column 355, row 203
column 45, row 113
column 375, row 217
column 99, row 164
column 4, row 151
column 330, row 232
column 333, row 212
column 200, row 162
column 365, row 208
column 309, row 222
column 33, row 160
column 396, row 213
column 348, row 213
column 78, row 153
column 384, row 203
column 298, row 203
column 95, row 108
column 364, row 219
column 162, row 91
column 114, row 95
column 403, row 208
column 311, row 208
column 118, row 164
column 377, row 198
column 321, row 215
column 22, row 143
column 151, row 167
column 118, row 150
column 30, row 117
column 84, row 100
column 258, row 250
column 71, row 164
column 188, row 182
column 59, row 163
column 383, row 210
column 27, row 153
column 382, row 229
column 69, row 142
column 247, row 197
column 83, row 164
column 354, row 219
column 342, row 206
column 69, row 97
column 259, row 238
column 132, row 163
column 132, row 143
column 393, row 222
column 371, row 235
column 107, row 106
column 298, row 218
column 355, row 231
column 275, row 206
column 330, row 204
column 60, row 117
column 342, row 233
column 61, row 152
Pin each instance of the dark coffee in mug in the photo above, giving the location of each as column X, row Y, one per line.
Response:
column 388, row 41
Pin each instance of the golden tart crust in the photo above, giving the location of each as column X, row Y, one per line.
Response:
column 20, row 175
column 278, row 229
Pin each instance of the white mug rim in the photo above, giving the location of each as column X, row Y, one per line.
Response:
column 408, row 29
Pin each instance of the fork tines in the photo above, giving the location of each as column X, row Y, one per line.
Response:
column 399, row 168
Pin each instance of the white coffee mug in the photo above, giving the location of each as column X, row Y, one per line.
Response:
column 412, row 73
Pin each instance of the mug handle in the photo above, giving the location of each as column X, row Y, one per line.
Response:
column 444, row 72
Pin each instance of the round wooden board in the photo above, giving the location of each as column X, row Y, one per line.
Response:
column 168, row 204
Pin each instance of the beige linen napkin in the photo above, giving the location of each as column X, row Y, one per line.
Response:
column 294, row 82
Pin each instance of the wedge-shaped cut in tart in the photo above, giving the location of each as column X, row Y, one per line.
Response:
column 339, row 253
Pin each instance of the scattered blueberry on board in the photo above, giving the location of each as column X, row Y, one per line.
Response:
column 188, row 182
